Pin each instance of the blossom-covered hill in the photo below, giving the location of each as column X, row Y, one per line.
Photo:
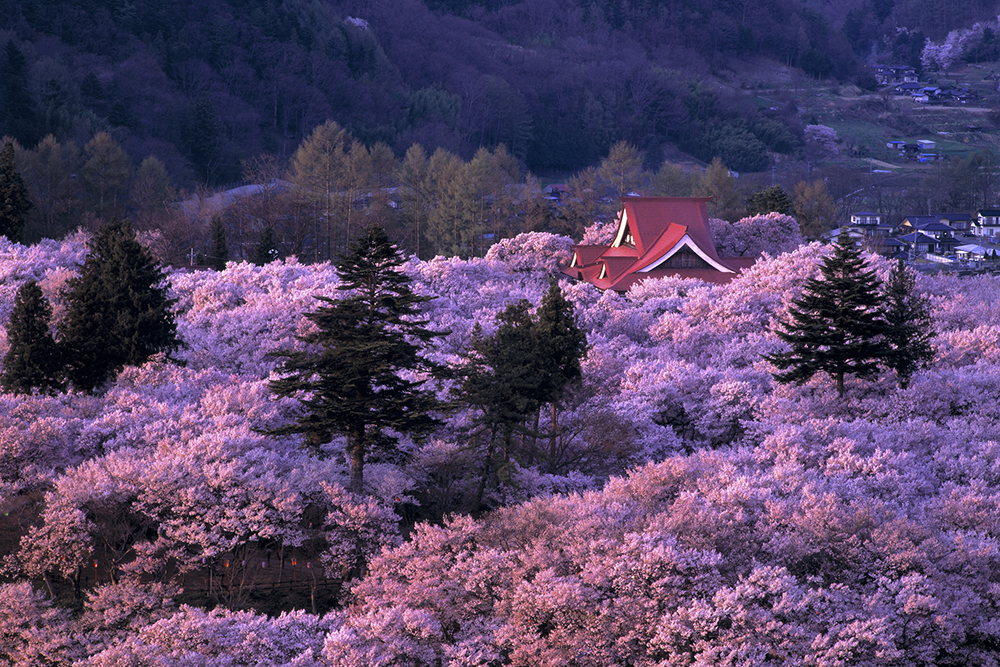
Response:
column 694, row 512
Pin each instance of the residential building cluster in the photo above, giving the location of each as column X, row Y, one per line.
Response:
column 944, row 237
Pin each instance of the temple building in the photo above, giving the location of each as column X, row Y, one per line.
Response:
column 656, row 237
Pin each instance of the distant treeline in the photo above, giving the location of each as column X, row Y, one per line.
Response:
column 203, row 85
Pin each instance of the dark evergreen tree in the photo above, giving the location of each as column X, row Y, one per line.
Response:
column 14, row 201
column 526, row 363
column 91, row 88
column 561, row 346
column 33, row 360
column 909, row 330
column 561, row 343
column 836, row 325
column 502, row 380
column 17, row 110
column 203, row 138
column 119, row 313
column 773, row 199
column 220, row 251
column 266, row 251
column 503, row 376
column 349, row 379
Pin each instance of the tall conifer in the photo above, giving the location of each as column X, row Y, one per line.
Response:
column 220, row 250
column 14, row 201
column 33, row 360
column 266, row 251
column 350, row 378
column 561, row 346
column 836, row 326
column 119, row 312
column 909, row 331
column 526, row 363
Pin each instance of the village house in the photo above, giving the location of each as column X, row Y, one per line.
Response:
column 960, row 222
column 870, row 225
column 656, row 237
column 886, row 74
column 931, row 225
column 987, row 224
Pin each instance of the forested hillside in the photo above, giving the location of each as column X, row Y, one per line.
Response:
column 203, row 85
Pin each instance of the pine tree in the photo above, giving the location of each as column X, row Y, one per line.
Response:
column 265, row 251
column 561, row 346
column 14, row 201
column 501, row 379
column 18, row 116
column 203, row 138
column 909, row 330
column 119, row 313
column 836, row 326
column 769, row 200
column 502, row 375
column 33, row 360
column 220, row 251
column 526, row 363
column 349, row 379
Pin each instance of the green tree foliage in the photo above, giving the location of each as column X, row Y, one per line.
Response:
column 14, row 201
column 836, row 326
column 561, row 346
column 50, row 174
column 220, row 252
column 768, row 200
column 814, row 208
column 717, row 183
column 356, row 184
column 416, row 191
column 33, row 361
column 266, row 250
column 492, row 178
column 735, row 145
column 105, row 172
column 119, row 313
column 383, row 177
column 317, row 170
column 349, row 378
column 620, row 173
column 671, row 181
column 502, row 376
column 581, row 206
column 203, row 139
column 909, row 331
column 151, row 192
column 18, row 117
column 262, row 79
column 450, row 223
column 528, row 362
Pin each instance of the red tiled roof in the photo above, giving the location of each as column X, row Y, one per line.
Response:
column 587, row 254
column 657, row 225
column 667, row 239
column 647, row 215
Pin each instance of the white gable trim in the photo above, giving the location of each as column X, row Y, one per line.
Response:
column 622, row 228
column 686, row 241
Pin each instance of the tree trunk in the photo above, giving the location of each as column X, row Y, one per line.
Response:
column 534, row 434
column 840, row 384
column 552, row 442
column 357, row 454
column 486, row 472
